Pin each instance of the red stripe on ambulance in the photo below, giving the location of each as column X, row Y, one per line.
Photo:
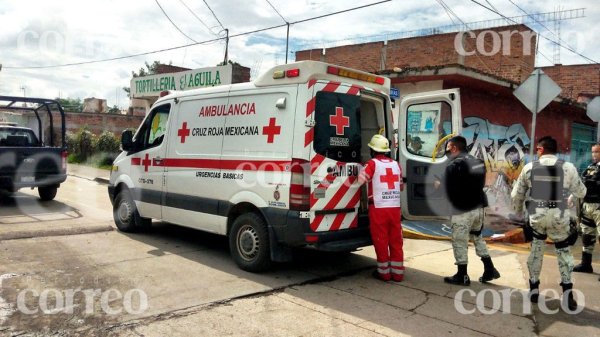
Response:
column 353, row 203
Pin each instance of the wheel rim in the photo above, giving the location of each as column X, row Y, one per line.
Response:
column 248, row 243
column 124, row 212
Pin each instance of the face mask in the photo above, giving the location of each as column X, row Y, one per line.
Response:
column 447, row 153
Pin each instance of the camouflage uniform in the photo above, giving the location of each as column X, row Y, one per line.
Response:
column 548, row 221
column 462, row 226
column 590, row 210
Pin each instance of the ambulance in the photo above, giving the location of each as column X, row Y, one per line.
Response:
column 272, row 164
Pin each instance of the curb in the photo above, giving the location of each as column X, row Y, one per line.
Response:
column 55, row 232
column 96, row 179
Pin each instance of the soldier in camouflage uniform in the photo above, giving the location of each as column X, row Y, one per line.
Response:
column 542, row 185
column 464, row 180
column 590, row 211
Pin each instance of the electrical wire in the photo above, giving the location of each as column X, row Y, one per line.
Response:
column 173, row 23
column 449, row 10
column 213, row 13
column 540, row 23
column 544, row 37
column 195, row 43
column 196, row 16
column 276, row 11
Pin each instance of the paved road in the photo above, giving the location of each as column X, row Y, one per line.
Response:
column 65, row 271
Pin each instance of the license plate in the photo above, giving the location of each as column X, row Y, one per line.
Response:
column 27, row 179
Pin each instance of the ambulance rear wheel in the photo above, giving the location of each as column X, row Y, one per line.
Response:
column 249, row 243
column 126, row 216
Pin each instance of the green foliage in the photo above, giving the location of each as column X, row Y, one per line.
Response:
column 86, row 148
column 128, row 91
column 71, row 104
column 228, row 62
column 107, row 142
column 85, row 143
column 71, row 142
column 151, row 69
column 114, row 110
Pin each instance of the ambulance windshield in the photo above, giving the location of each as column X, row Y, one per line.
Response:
column 337, row 129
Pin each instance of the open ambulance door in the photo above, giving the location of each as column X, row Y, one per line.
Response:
column 426, row 121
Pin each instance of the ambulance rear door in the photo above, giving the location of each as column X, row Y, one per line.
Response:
column 344, row 117
column 426, row 121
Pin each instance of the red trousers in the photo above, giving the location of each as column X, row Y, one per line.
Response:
column 386, row 233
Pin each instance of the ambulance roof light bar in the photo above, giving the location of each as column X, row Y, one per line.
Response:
column 277, row 74
column 355, row 75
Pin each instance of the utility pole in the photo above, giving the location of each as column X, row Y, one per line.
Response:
column 226, row 46
column 24, row 88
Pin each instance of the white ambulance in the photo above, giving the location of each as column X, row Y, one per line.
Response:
column 272, row 164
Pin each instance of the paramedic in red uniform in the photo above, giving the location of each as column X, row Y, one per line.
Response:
column 384, row 176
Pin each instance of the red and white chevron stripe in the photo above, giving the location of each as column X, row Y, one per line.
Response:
column 341, row 192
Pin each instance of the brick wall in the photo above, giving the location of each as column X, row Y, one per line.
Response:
column 576, row 80
column 97, row 122
column 514, row 60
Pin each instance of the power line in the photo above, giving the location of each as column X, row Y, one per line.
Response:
column 544, row 37
column 173, row 23
column 276, row 11
column 475, row 25
column 213, row 13
column 195, row 43
column 196, row 16
column 541, row 24
column 447, row 12
column 450, row 11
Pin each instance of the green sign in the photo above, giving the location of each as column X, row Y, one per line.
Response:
column 152, row 85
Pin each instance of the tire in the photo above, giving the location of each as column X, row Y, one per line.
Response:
column 126, row 216
column 249, row 243
column 47, row 193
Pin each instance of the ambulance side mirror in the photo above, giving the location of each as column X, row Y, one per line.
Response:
column 127, row 140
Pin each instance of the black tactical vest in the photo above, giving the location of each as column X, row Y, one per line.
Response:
column 547, row 182
column 591, row 180
column 465, row 184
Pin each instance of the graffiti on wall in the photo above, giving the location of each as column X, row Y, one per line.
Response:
column 505, row 150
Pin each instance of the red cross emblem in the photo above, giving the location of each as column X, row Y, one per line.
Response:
column 146, row 162
column 339, row 121
column 271, row 130
column 389, row 178
column 183, row 132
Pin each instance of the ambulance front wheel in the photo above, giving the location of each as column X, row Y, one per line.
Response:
column 126, row 216
column 249, row 243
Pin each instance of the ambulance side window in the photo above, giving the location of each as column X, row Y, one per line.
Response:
column 337, row 126
column 152, row 132
column 426, row 124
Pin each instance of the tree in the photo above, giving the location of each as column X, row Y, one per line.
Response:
column 71, row 104
column 150, row 70
column 228, row 62
column 114, row 110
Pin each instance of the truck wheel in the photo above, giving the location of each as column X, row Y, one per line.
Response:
column 249, row 243
column 126, row 216
column 47, row 193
